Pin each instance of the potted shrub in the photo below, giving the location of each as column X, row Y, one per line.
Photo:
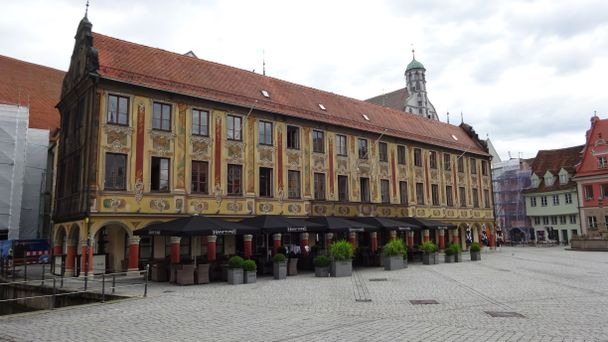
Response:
column 429, row 249
column 475, row 251
column 393, row 253
column 457, row 252
column 449, row 254
column 321, row 266
column 279, row 267
column 235, row 270
column 342, row 253
column 250, row 268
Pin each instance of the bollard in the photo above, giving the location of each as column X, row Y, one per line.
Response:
column 113, row 284
column 25, row 269
column 103, row 287
column 43, row 270
column 54, row 292
column 146, row 281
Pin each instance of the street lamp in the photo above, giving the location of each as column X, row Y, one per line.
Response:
column 86, row 258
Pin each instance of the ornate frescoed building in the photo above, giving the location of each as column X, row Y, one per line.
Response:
column 150, row 135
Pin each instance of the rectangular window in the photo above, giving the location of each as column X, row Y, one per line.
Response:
column 604, row 190
column 543, row 201
column 484, row 167
column 475, row 198
column 401, row 155
column 343, row 188
column 533, row 201
column 573, row 219
column 545, row 219
column 403, row 192
column 447, row 165
column 200, row 122
column 200, row 177
column 460, row 164
column 562, row 219
column 293, row 184
column 234, row 127
column 420, row 193
column 235, row 180
column 118, row 110
column 433, row 159
column 341, row 146
column 417, row 157
column 364, row 187
column 555, row 199
column 553, row 219
column 536, row 220
column 449, row 196
column 319, row 179
column 568, row 198
column 116, row 171
column 435, row 194
column 601, row 162
column 463, row 196
column 159, row 176
column 161, row 116
column 385, row 195
column 318, row 141
column 591, row 222
column 486, row 199
column 473, row 164
column 588, row 192
column 265, row 133
column 265, row 182
column 382, row 152
column 293, row 137
column 362, row 148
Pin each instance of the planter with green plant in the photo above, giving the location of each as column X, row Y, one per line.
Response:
column 321, row 266
column 235, row 270
column 393, row 253
column 342, row 253
column 279, row 267
column 250, row 268
column 457, row 252
column 475, row 251
column 449, row 254
column 429, row 250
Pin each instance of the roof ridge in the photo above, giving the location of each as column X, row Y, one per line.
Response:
column 30, row 63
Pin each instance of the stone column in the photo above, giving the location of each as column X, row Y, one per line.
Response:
column 276, row 242
column 86, row 258
column 133, row 253
column 410, row 240
column 328, row 238
column 373, row 236
column 70, row 259
column 352, row 237
column 211, row 247
column 175, row 252
column 303, row 243
column 392, row 235
column 247, row 248
column 425, row 235
column 441, row 239
column 57, row 250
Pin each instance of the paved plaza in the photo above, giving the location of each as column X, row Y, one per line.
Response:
column 562, row 296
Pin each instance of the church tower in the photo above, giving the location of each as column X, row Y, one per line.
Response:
column 417, row 102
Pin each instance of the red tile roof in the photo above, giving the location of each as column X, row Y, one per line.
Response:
column 553, row 161
column 159, row 69
column 34, row 85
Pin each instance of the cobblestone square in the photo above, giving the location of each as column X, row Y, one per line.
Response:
column 562, row 296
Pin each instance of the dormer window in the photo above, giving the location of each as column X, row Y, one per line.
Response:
column 549, row 180
column 535, row 181
column 563, row 178
column 601, row 162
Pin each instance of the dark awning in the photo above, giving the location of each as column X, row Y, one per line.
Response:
column 337, row 224
column 197, row 226
column 428, row 223
column 281, row 224
column 387, row 223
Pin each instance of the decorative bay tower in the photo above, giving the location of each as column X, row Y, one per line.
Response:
column 417, row 101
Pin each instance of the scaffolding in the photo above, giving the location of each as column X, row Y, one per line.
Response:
column 509, row 179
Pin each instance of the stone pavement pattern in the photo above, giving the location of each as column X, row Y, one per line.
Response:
column 562, row 294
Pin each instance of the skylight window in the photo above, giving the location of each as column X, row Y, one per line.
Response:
column 322, row 106
column 454, row 137
column 265, row 93
column 365, row 117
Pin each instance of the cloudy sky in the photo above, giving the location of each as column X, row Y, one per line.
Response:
column 526, row 73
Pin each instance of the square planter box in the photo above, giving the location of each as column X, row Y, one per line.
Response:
column 436, row 258
column 458, row 257
column 449, row 259
column 322, row 272
column 235, row 276
column 393, row 263
column 250, row 277
column 404, row 263
column 279, row 270
column 342, row 268
column 428, row 258
column 475, row 256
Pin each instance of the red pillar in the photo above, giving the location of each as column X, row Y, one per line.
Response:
column 211, row 247
column 276, row 242
column 441, row 239
column 175, row 252
column 303, row 243
column 352, row 238
column 425, row 235
column 455, row 237
column 133, row 253
column 86, row 258
column 328, row 238
column 70, row 259
column 373, row 241
column 410, row 240
column 247, row 249
column 57, row 250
